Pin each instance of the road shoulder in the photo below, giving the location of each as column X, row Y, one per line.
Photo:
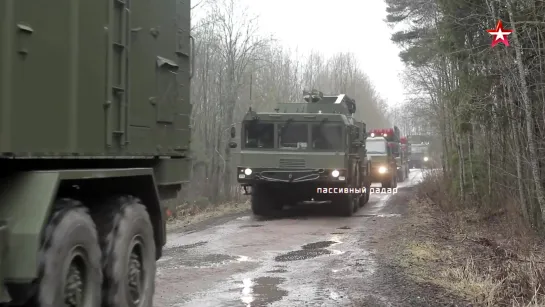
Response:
column 398, row 277
column 464, row 259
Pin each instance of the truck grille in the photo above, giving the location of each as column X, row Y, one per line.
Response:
column 291, row 163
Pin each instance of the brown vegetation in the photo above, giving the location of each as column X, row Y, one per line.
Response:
column 490, row 258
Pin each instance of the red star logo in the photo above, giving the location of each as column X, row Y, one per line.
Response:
column 500, row 34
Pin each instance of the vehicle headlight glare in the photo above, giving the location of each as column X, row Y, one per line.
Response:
column 426, row 158
column 335, row 173
column 248, row 171
column 382, row 169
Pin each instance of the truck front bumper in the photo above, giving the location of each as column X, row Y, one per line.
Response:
column 378, row 176
column 250, row 176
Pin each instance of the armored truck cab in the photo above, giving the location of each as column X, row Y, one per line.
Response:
column 94, row 134
column 309, row 151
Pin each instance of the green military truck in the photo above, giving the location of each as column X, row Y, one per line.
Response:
column 419, row 151
column 95, row 112
column 382, row 159
column 312, row 151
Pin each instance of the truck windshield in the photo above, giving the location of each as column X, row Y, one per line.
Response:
column 376, row 146
column 327, row 137
column 293, row 136
column 259, row 135
column 419, row 149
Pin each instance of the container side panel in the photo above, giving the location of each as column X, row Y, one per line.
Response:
column 6, row 54
column 184, row 58
column 41, row 76
column 142, row 62
column 92, row 76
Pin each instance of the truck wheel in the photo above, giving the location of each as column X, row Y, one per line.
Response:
column 70, row 267
column 400, row 175
column 365, row 197
column 263, row 203
column 129, row 254
column 346, row 204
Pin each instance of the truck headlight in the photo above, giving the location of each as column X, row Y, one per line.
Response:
column 426, row 159
column 248, row 171
column 382, row 170
column 335, row 173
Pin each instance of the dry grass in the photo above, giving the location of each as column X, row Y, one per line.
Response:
column 201, row 210
column 489, row 259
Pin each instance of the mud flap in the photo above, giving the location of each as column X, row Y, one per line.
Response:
column 4, row 295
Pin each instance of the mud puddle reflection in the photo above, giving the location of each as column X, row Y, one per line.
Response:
column 261, row 291
column 307, row 251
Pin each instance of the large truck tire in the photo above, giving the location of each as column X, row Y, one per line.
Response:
column 364, row 199
column 401, row 175
column 345, row 204
column 263, row 202
column 129, row 253
column 70, row 268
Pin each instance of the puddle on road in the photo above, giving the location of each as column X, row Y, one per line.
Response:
column 302, row 255
column 337, row 233
column 251, row 226
column 379, row 215
column 308, row 251
column 171, row 252
column 344, row 227
column 262, row 291
column 316, row 245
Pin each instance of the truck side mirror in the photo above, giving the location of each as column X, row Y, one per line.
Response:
column 233, row 132
column 233, row 145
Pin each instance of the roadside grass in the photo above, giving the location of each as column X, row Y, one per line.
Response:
column 188, row 213
column 488, row 259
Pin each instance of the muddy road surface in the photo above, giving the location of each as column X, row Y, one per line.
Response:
column 307, row 257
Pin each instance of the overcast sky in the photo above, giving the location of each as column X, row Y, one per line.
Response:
column 338, row 26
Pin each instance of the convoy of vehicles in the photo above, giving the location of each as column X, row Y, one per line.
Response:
column 95, row 113
column 382, row 159
column 311, row 151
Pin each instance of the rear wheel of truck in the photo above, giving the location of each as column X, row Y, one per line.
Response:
column 263, row 202
column 70, row 266
column 129, row 254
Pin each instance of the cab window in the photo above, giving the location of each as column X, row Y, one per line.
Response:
column 376, row 147
column 327, row 137
column 293, row 136
column 259, row 135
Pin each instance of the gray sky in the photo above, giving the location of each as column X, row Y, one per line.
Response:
column 337, row 26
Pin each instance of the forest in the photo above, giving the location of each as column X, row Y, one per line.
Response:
column 486, row 103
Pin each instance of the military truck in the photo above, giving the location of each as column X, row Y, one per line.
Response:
column 419, row 157
column 311, row 151
column 94, row 135
column 420, row 151
column 393, row 137
column 381, row 157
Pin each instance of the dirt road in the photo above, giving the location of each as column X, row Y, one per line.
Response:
column 307, row 258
